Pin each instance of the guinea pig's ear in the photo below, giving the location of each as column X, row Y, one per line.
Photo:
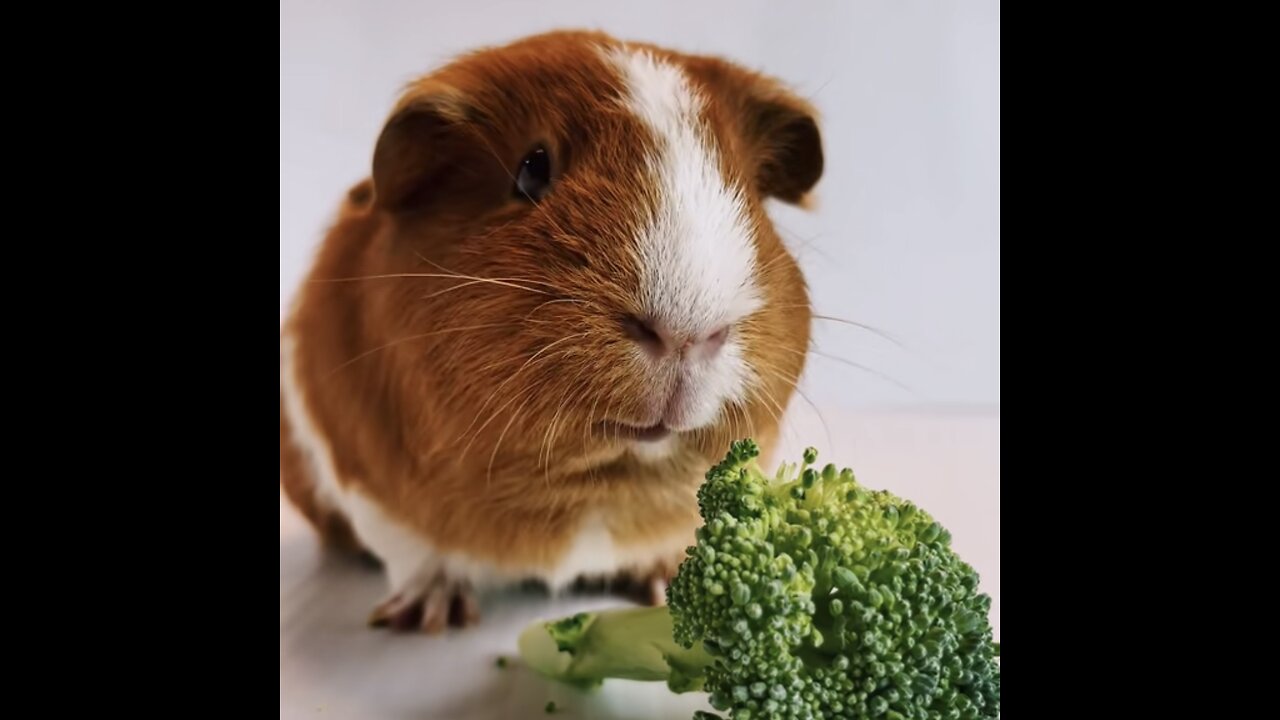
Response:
column 789, row 147
column 429, row 150
column 780, row 130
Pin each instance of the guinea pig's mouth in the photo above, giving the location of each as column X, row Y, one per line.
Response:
column 625, row 431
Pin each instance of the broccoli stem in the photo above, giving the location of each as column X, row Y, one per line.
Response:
column 624, row 643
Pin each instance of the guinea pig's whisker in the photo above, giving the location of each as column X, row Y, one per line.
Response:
column 865, row 368
column 513, row 376
column 544, row 447
column 794, row 382
column 864, row 326
column 774, row 407
column 461, row 285
column 770, row 262
column 608, row 414
column 501, row 362
column 494, row 415
column 523, row 393
column 554, row 428
column 813, row 96
column 553, row 302
column 488, row 476
column 747, row 420
column 762, row 395
column 466, row 448
column 733, row 417
column 509, row 360
column 591, row 422
column 538, row 321
column 504, row 282
column 806, row 244
column 741, row 421
column 853, row 364
column 845, row 321
column 465, row 276
column 411, row 338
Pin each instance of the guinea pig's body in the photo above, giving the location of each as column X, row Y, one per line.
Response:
column 550, row 309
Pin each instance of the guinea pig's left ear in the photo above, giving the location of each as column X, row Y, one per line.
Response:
column 779, row 130
column 430, row 152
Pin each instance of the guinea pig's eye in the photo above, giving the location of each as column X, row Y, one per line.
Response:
column 533, row 177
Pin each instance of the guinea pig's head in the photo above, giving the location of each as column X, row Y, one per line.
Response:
column 595, row 280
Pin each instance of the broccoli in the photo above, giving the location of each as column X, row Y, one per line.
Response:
column 806, row 596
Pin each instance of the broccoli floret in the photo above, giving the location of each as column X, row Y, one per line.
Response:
column 806, row 596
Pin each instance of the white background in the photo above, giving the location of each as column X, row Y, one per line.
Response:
column 906, row 237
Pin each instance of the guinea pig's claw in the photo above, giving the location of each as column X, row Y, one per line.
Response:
column 647, row 588
column 397, row 612
column 657, row 591
column 381, row 615
column 430, row 609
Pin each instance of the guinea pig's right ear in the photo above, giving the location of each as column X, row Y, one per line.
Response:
column 780, row 130
column 789, row 146
column 429, row 150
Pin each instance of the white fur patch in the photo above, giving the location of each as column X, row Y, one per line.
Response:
column 593, row 553
column 653, row 452
column 309, row 440
column 404, row 553
column 697, row 256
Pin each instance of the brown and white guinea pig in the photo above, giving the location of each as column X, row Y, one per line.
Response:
column 546, row 314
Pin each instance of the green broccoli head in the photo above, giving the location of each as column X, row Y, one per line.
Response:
column 806, row 596
column 820, row 598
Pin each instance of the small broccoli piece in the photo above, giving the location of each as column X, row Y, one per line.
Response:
column 550, row 708
column 500, row 663
column 806, row 596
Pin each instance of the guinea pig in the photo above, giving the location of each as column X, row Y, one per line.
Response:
column 547, row 312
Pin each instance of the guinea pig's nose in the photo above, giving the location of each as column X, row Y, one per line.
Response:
column 659, row 340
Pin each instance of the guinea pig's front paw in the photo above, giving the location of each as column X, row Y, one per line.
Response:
column 648, row 587
column 429, row 605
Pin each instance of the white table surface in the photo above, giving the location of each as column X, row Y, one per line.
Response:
column 333, row 666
